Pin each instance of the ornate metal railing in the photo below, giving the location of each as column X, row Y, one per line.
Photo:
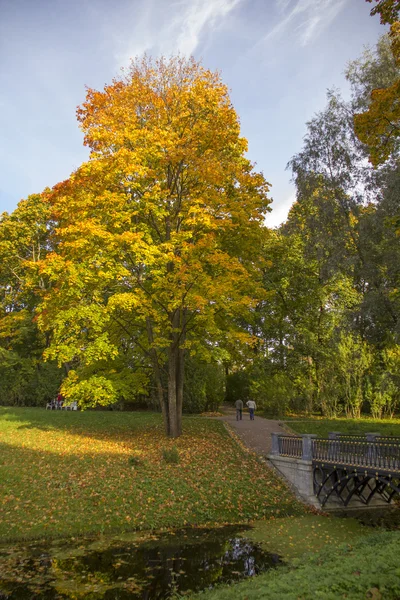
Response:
column 353, row 437
column 370, row 451
column 290, row 445
column 347, row 466
column 368, row 454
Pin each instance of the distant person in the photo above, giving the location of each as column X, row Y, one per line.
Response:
column 60, row 401
column 239, row 408
column 251, row 405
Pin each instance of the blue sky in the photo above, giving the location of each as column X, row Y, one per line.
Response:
column 278, row 57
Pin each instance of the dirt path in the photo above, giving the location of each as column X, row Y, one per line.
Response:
column 254, row 434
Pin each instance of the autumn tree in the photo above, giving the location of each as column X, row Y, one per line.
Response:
column 387, row 9
column 158, row 239
column 379, row 126
column 24, row 241
column 376, row 68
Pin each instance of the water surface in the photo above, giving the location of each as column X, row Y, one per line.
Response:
column 128, row 568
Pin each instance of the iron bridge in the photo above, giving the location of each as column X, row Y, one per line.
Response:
column 347, row 467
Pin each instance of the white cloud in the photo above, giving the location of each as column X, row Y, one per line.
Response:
column 181, row 32
column 306, row 19
column 199, row 16
column 282, row 5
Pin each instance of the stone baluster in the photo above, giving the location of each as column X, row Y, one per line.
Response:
column 275, row 444
column 307, row 445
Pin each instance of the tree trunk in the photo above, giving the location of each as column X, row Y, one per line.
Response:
column 162, row 401
column 172, row 392
column 172, row 403
column 310, row 394
column 158, row 381
column 175, row 375
column 175, row 390
column 180, row 371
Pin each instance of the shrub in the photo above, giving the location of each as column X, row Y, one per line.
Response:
column 171, row 455
column 135, row 461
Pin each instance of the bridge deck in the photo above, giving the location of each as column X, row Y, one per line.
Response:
column 347, row 466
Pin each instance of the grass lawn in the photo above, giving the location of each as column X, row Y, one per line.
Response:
column 322, row 426
column 69, row 473
column 369, row 568
column 292, row 537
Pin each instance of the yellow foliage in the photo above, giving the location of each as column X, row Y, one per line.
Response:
column 163, row 226
column 379, row 126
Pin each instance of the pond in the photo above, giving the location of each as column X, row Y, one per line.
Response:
column 129, row 567
column 144, row 566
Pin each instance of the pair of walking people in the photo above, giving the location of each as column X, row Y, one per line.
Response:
column 251, row 405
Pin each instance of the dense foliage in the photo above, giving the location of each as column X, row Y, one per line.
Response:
column 329, row 327
column 149, row 275
column 24, row 241
column 156, row 247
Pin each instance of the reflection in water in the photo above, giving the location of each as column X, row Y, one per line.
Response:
column 111, row 569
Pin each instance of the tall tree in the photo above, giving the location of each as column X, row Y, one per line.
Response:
column 24, row 241
column 376, row 68
column 379, row 126
column 159, row 234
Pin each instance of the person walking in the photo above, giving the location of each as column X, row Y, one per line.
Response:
column 239, row 408
column 251, row 405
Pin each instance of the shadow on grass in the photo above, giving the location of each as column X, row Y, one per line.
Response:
column 95, row 424
column 101, row 426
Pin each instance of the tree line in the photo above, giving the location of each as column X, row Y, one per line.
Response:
column 149, row 276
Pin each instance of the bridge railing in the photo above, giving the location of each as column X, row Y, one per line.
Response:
column 290, row 445
column 368, row 454
column 295, row 446
column 370, row 436
column 371, row 451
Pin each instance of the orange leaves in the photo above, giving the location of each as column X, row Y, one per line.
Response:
column 379, row 126
column 70, row 472
column 165, row 219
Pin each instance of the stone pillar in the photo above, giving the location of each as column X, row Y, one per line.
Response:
column 307, row 445
column 334, row 435
column 275, row 444
column 371, row 436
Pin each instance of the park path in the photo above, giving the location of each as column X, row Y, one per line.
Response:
column 256, row 434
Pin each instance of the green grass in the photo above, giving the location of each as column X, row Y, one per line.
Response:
column 292, row 537
column 322, row 426
column 368, row 569
column 71, row 473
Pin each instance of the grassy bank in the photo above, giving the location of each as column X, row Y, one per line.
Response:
column 69, row 473
column 293, row 537
column 368, row 569
column 322, row 426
